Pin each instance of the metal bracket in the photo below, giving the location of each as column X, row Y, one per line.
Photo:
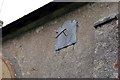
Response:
column 66, row 35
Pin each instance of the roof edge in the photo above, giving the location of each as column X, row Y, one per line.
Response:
column 38, row 17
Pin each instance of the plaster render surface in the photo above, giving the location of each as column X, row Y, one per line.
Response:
column 35, row 50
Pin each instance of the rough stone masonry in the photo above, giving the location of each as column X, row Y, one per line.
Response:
column 92, row 56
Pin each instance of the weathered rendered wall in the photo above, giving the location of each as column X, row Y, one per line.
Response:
column 35, row 50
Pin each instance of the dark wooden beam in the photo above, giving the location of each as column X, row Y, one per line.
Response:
column 39, row 17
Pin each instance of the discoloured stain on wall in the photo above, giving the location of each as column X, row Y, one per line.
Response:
column 35, row 50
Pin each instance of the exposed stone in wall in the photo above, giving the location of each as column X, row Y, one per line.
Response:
column 106, row 51
column 37, row 58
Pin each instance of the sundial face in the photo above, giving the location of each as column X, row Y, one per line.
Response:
column 66, row 35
